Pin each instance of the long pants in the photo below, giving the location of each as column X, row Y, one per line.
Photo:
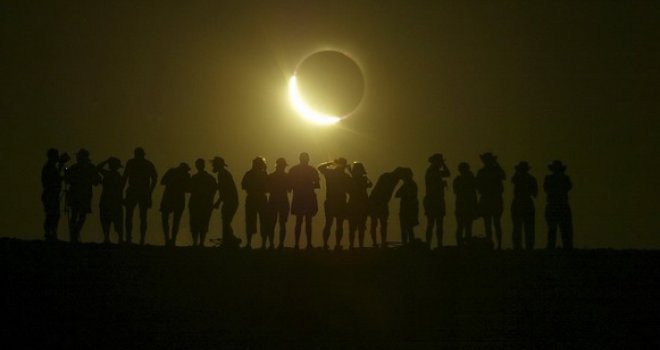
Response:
column 562, row 219
column 143, row 222
column 308, row 229
column 523, row 222
column 382, row 219
column 493, row 221
column 170, row 236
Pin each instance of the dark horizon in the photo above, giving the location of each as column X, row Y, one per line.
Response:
column 536, row 82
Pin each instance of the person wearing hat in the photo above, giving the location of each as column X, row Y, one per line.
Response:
column 202, row 188
column 465, row 190
column 80, row 177
column 255, row 184
column 337, row 183
column 358, row 204
column 434, row 200
column 51, row 181
column 228, row 197
column 490, row 185
column 279, row 186
column 141, row 177
column 523, row 213
column 176, row 182
column 304, row 181
column 558, row 213
column 111, row 207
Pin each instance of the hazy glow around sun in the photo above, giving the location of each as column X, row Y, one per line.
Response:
column 306, row 111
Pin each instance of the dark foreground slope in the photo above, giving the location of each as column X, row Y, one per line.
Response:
column 97, row 296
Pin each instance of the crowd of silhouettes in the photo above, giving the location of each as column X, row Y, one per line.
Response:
column 267, row 205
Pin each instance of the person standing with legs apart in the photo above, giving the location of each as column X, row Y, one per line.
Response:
column 523, row 213
column 304, row 181
column 358, row 204
column 434, row 200
column 465, row 189
column 51, row 182
column 337, row 184
column 490, row 187
column 111, row 207
column 80, row 177
column 409, row 210
column 141, row 177
column 202, row 192
column 255, row 183
column 279, row 186
column 176, row 181
column 557, row 210
column 228, row 197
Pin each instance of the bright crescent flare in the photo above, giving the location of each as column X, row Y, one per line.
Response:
column 304, row 110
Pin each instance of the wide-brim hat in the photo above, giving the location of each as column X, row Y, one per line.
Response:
column 218, row 160
column 115, row 162
column 436, row 158
column 522, row 166
column 557, row 165
column 487, row 156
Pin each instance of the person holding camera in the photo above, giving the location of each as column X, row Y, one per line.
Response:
column 51, row 182
column 490, row 185
column 338, row 184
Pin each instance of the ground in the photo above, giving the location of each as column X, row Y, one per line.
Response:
column 97, row 296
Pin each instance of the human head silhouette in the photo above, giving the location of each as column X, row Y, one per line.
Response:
column 522, row 167
column 139, row 153
column 114, row 163
column 184, row 167
column 218, row 163
column 200, row 164
column 259, row 163
column 304, row 158
column 463, row 168
column 557, row 166
column 280, row 164
column 488, row 158
column 357, row 169
column 82, row 156
column 406, row 174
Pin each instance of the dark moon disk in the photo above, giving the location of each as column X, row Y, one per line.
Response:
column 330, row 82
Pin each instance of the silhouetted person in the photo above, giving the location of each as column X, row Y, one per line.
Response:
column 523, row 213
column 80, row 177
column 228, row 197
column 379, row 200
column 51, row 182
column 279, row 186
column 557, row 210
column 409, row 207
column 434, row 200
column 111, row 208
column 490, row 187
column 358, row 203
column 465, row 189
column 337, row 183
column 202, row 187
column 176, row 181
column 141, row 177
column 255, row 183
column 304, row 181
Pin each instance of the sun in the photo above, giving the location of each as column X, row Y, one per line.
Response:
column 326, row 87
column 301, row 107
